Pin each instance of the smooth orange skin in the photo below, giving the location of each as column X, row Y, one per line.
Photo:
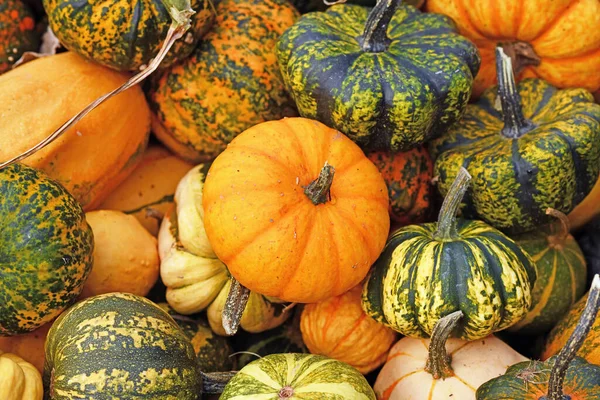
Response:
column 563, row 33
column 101, row 150
column 338, row 328
column 273, row 239
column 29, row 346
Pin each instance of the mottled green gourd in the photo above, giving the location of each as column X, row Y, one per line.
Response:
column 430, row 270
column 390, row 77
column 46, row 249
column 305, row 6
column 529, row 147
column 561, row 275
column 125, row 34
column 562, row 377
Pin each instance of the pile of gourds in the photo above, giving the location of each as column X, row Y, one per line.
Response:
column 298, row 199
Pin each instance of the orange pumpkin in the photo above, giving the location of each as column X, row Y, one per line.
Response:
column 339, row 328
column 558, row 41
column 296, row 210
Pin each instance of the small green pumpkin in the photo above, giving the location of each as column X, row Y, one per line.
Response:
column 561, row 275
column 541, row 151
column 389, row 78
column 17, row 32
column 46, row 249
column 563, row 377
column 430, row 270
column 124, row 34
column 298, row 376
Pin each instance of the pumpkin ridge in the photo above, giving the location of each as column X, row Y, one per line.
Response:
column 474, row 389
column 552, row 23
column 337, row 302
column 456, row 350
column 431, row 389
column 350, row 221
column 581, row 185
column 386, row 395
column 261, row 153
column 349, row 332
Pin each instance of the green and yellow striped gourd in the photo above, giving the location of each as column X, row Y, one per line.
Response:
column 430, row 270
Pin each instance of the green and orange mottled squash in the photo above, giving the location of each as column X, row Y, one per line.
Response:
column 297, row 376
column 17, row 32
column 97, row 153
column 305, row 6
column 390, row 77
column 558, row 41
column 46, row 249
column 408, row 178
column 230, row 83
column 124, row 34
column 528, row 147
column 430, row 270
column 19, row 380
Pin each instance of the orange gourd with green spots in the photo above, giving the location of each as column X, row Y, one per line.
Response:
column 17, row 32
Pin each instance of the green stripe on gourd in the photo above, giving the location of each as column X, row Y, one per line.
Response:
column 298, row 376
column 542, row 151
column 46, row 249
column 430, row 270
column 390, row 77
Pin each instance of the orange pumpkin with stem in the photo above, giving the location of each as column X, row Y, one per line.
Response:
column 558, row 41
column 296, row 210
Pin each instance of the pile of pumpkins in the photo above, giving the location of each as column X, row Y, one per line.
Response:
column 361, row 199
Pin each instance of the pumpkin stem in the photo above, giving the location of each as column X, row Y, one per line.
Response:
column 237, row 298
column 564, row 224
column 374, row 37
column 215, row 382
column 515, row 124
column 180, row 11
column 522, row 55
column 286, row 392
column 438, row 361
column 568, row 352
column 446, row 229
column 318, row 190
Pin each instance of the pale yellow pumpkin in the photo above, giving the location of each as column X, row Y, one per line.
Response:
column 19, row 380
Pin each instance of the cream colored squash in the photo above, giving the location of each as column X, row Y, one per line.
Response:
column 19, row 380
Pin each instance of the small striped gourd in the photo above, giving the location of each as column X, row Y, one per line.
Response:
column 297, row 376
column 430, row 270
column 528, row 147
column 561, row 275
column 390, row 77
column 17, row 32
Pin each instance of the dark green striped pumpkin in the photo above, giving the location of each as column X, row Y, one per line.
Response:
column 390, row 77
column 119, row 346
column 542, row 151
column 124, row 34
column 298, row 376
column 46, row 249
column 430, row 270
column 561, row 276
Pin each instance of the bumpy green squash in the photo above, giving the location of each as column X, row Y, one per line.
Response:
column 46, row 249
column 561, row 275
column 298, row 376
column 17, row 32
column 389, row 78
column 124, row 34
column 528, row 147
column 430, row 270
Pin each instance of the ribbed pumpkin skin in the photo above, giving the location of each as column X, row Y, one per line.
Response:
column 515, row 180
column 19, row 380
column 340, row 329
column 417, row 280
column 46, row 249
column 561, row 279
column 123, row 34
column 312, row 377
column 563, row 33
column 582, row 382
column 590, row 350
column 92, row 157
column 230, row 83
column 17, row 32
column 394, row 99
column 119, row 345
column 408, row 178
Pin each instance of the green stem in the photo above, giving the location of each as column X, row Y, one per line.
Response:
column 515, row 124
column 568, row 352
column 318, row 190
column 446, row 229
column 237, row 298
column 374, row 37
column 215, row 382
column 438, row 360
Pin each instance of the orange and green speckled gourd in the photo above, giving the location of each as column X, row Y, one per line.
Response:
column 390, row 77
column 529, row 147
column 124, row 34
column 17, row 32
column 230, row 83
